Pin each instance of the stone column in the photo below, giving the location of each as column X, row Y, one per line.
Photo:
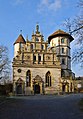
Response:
column 69, row 86
column 66, row 88
column 72, row 85
column 32, row 88
column 14, row 87
column 40, row 88
column 25, row 87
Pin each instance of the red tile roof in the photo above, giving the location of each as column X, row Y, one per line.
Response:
column 20, row 39
column 59, row 33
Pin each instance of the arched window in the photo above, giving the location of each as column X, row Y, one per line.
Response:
column 63, row 61
column 37, row 40
column 31, row 46
column 62, row 40
column 39, row 58
column 42, row 47
column 48, row 79
column 34, row 58
column 28, row 78
column 62, row 50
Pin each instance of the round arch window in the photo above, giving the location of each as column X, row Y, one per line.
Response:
column 19, row 70
column 62, row 40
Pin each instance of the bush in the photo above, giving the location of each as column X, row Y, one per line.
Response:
column 6, row 89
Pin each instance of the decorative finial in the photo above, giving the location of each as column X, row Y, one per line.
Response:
column 33, row 32
column 20, row 31
column 37, row 28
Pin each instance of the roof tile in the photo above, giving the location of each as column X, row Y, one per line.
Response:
column 20, row 39
column 60, row 33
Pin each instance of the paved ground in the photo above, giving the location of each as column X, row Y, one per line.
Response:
column 42, row 107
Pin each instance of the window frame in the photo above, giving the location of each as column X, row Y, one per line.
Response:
column 62, row 40
column 37, row 40
column 28, row 82
column 34, row 58
column 31, row 46
column 63, row 61
column 63, row 50
column 48, row 79
column 39, row 58
column 42, row 47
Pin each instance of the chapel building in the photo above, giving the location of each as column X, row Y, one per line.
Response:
column 42, row 69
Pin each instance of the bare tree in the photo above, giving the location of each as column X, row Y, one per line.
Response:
column 80, row 3
column 75, row 27
column 4, row 63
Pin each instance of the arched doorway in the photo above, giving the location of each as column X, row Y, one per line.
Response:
column 19, row 89
column 38, row 85
column 37, row 89
column 19, row 86
column 65, row 87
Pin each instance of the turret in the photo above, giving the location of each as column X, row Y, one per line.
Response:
column 19, row 43
column 60, row 40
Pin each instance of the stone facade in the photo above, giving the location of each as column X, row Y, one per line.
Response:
column 37, row 68
column 78, row 84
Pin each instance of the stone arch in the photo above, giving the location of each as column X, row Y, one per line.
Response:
column 38, row 85
column 65, row 87
column 19, row 86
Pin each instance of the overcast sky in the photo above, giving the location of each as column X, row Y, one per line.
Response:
column 16, row 15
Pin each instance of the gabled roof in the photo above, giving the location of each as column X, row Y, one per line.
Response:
column 20, row 39
column 60, row 33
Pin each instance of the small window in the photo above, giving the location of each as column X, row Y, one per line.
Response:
column 63, row 61
column 42, row 47
column 62, row 40
column 31, row 46
column 62, row 50
column 34, row 58
column 39, row 58
column 37, row 39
